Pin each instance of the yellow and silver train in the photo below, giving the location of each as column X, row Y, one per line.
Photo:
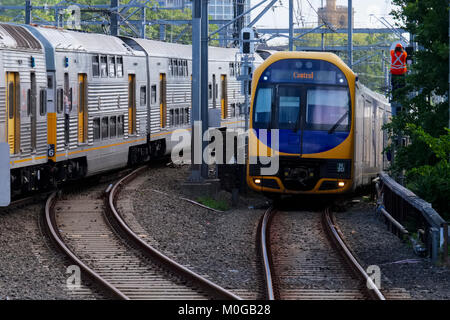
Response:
column 330, row 139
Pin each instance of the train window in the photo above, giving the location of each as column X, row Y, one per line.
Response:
column 119, row 61
column 171, row 67
column 70, row 99
column 95, row 67
column 210, row 94
column 177, row 117
column 181, row 68
column 112, row 127
column 186, row 113
column 153, row 93
column 42, row 102
column 28, row 102
column 104, row 66
column 105, row 128
column 327, row 109
column 50, row 82
column 143, row 96
column 112, row 67
column 96, row 129
column 171, row 118
column 231, row 67
column 59, row 100
column 288, row 107
column 186, row 68
column 263, row 108
column 120, row 126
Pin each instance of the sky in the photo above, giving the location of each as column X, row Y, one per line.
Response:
column 305, row 13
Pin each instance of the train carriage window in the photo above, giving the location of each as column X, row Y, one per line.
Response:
column 112, row 127
column 104, row 66
column 60, row 100
column 180, row 68
column 43, row 102
column 186, row 68
column 28, row 102
column 187, row 115
column 171, row 67
column 105, row 128
column 95, row 67
column 328, row 109
column 263, row 106
column 171, row 118
column 210, row 93
column 112, row 67
column 96, row 123
column 177, row 117
column 119, row 62
column 153, row 94
column 143, row 96
column 120, row 126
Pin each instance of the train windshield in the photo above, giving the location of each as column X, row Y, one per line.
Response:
column 303, row 94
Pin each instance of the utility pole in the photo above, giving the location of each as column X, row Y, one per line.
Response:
column 196, row 87
column 28, row 12
column 323, row 35
column 204, row 80
column 114, row 18
column 350, row 33
column 291, row 25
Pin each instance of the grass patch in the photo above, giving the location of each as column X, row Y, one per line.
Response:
column 212, row 203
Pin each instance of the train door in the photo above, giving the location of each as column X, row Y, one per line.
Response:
column 163, row 99
column 13, row 111
column 33, row 110
column 224, row 99
column 82, row 108
column 131, row 104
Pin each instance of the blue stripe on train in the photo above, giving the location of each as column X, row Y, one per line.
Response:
column 313, row 141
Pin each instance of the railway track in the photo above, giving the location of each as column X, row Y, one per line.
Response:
column 305, row 257
column 89, row 229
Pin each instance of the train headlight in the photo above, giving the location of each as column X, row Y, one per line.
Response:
column 341, row 184
column 258, row 181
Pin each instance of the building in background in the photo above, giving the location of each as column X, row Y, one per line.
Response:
column 335, row 15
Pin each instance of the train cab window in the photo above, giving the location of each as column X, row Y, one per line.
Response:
column 327, row 109
column 96, row 123
column 143, row 96
column 60, row 100
column 104, row 66
column 95, row 67
column 42, row 102
column 112, row 67
column 263, row 106
column 119, row 64
column 105, row 128
column 288, row 107
column 120, row 126
column 112, row 127
column 153, row 94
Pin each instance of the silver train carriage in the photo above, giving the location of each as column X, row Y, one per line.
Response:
column 90, row 103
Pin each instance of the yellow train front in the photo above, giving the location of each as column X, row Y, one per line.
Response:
column 314, row 128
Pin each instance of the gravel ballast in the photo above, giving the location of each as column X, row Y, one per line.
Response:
column 218, row 245
column 369, row 238
column 31, row 267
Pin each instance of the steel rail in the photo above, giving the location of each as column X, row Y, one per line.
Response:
column 56, row 236
column 345, row 252
column 180, row 270
column 264, row 243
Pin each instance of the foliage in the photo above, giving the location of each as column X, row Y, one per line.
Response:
column 152, row 31
column 432, row 182
column 424, row 116
column 214, row 204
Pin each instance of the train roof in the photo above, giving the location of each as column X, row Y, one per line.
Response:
column 174, row 50
column 17, row 37
column 67, row 40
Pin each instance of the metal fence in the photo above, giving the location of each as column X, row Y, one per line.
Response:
column 408, row 215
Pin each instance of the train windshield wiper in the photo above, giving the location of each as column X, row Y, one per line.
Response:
column 338, row 122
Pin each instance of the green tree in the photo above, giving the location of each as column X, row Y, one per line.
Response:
column 424, row 100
